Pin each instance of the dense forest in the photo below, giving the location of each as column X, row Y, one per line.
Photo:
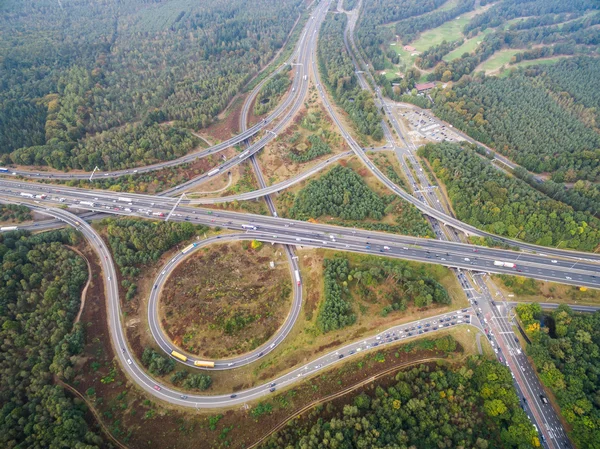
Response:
column 114, row 149
column 337, row 69
column 403, row 283
column 69, row 70
column 135, row 243
column 485, row 197
column 565, row 350
column 468, row 406
column 271, row 92
column 40, row 290
column 343, row 194
column 517, row 116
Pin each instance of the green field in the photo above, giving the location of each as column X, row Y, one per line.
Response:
column 497, row 60
column 405, row 56
column 468, row 46
column 448, row 5
column 546, row 61
column 449, row 31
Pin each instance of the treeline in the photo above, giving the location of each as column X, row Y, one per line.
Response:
column 126, row 147
column 546, row 52
column 566, row 354
column 583, row 196
column 14, row 212
column 336, row 310
column 519, row 119
column 484, row 197
column 271, row 92
column 317, row 148
column 434, row 54
column 40, row 290
column 136, row 243
column 71, row 70
column 407, row 30
column 470, row 406
column 338, row 74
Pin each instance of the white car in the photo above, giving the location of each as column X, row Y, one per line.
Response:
column 554, row 261
column 129, row 361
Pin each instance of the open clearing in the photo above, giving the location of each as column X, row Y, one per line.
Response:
column 225, row 300
column 495, row 62
column 449, row 31
column 541, row 61
column 468, row 46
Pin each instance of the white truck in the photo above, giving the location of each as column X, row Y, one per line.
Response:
column 87, row 203
column 504, row 264
column 125, row 200
column 27, row 195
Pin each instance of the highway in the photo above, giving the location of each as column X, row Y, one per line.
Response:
column 146, row 382
column 525, row 381
column 569, row 267
column 235, row 362
column 451, row 254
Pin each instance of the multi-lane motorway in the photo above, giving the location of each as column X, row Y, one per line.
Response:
column 536, row 262
column 452, row 254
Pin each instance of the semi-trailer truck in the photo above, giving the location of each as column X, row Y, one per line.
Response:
column 504, row 264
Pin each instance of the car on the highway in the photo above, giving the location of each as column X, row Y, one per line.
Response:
column 554, row 261
column 156, row 387
column 233, row 396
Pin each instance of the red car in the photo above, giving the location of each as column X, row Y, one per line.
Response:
column 156, row 387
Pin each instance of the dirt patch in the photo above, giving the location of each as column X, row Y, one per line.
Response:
column 226, row 299
column 227, row 124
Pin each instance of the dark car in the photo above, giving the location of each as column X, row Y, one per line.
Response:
column 233, row 396
column 272, row 389
column 341, row 356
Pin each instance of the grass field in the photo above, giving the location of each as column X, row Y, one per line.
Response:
column 545, row 61
column 497, row 60
column 468, row 46
column 449, row 31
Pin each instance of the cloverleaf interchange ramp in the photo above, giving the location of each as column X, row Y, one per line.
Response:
column 580, row 266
